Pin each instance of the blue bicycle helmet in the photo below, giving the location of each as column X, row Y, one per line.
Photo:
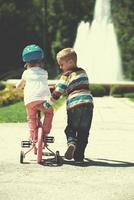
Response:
column 32, row 52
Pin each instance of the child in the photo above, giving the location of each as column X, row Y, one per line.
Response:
column 74, row 82
column 36, row 90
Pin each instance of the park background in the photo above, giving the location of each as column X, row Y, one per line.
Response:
column 53, row 25
column 108, row 169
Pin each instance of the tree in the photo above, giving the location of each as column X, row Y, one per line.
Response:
column 123, row 17
column 63, row 19
column 54, row 27
column 19, row 25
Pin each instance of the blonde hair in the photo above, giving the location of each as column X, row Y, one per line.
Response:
column 67, row 54
column 33, row 63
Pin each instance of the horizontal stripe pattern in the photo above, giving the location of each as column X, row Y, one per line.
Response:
column 60, row 87
column 76, row 85
column 78, row 98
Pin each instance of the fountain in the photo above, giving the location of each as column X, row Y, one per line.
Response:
column 97, row 48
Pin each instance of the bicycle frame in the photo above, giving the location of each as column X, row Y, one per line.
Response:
column 38, row 143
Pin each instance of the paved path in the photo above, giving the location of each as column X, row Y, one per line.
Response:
column 108, row 172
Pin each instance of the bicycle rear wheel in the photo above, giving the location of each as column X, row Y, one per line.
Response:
column 40, row 145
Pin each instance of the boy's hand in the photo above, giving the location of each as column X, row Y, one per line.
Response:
column 47, row 105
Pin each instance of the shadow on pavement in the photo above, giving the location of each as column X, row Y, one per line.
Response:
column 100, row 162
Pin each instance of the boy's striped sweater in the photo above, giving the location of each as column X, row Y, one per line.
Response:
column 75, row 84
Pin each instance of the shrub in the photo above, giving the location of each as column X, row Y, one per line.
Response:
column 8, row 97
column 97, row 90
column 120, row 90
column 2, row 85
column 116, row 91
column 129, row 95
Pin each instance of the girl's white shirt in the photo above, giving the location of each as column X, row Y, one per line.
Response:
column 36, row 85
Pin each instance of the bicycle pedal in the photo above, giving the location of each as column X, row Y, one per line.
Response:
column 49, row 139
column 25, row 144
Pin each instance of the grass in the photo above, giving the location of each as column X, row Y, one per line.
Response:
column 17, row 113
column 131, row 99
column 13, row 113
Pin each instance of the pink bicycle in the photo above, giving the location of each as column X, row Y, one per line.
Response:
column 39, row 145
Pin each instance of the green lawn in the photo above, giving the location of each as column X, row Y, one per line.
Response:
column 131, row 99
column 13, row 113
column 16, row 112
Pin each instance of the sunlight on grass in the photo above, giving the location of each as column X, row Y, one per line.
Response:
column 13, row 113
column 17, row 113
column 131, row 99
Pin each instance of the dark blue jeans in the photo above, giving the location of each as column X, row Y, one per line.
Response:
column 79, row 121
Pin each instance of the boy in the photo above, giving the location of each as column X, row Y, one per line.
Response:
column 74, row 82
column 36, row 90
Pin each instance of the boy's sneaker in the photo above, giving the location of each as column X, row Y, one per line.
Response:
column 70, row 151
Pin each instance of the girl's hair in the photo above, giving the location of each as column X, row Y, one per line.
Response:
column 67, row 54
column 33, row 64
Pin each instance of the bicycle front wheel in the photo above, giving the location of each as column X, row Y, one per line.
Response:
column 40, row 145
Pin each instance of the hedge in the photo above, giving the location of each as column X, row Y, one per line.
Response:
column 9, row 95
